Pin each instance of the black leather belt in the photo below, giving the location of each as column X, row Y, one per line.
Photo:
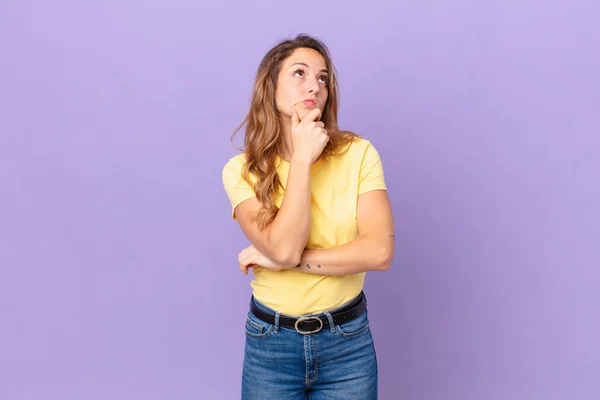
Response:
column 314, row 323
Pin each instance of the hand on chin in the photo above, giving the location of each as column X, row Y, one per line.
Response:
column 303, row 110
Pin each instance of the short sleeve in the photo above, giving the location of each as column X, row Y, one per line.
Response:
column 237, row 189
column 371, row 171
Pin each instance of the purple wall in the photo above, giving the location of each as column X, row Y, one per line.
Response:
column 118, row 273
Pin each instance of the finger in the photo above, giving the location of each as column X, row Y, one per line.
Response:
column 243, row 259
column 251, row 258
column 323, row 131
column 320, row 115
column 320, row 124
column 248, row 259
column 245, row 251
column 244, row 265
column 313, row 115
column 244, row 269
column 295, row 116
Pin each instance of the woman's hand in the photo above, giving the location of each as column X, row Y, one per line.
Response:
column 250, row 257
column 309, row 136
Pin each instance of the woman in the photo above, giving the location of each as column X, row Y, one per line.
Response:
column 312, row 200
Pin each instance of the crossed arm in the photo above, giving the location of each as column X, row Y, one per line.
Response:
column 373, row 250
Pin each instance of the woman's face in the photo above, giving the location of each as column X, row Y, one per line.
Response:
column 302, row 83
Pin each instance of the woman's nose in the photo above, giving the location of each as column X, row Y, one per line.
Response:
column 314, row 86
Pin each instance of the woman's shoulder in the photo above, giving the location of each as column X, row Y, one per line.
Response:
column 232, row 169
column 235, row 162
column 356, row 146
column 361, row 143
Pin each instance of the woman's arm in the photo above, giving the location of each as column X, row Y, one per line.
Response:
column 286, row 236
column 283, row 240
column 373, row 250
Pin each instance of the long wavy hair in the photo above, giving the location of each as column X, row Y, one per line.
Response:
column 263, row 141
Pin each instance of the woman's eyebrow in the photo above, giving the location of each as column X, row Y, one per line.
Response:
column 306, row 65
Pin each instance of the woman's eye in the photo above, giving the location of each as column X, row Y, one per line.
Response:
column 300, row 73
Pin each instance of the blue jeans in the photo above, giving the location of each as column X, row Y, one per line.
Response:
column 337, row 363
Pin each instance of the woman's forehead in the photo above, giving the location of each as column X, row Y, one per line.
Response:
column 309, row 57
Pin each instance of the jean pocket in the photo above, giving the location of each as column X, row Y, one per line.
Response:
column 256, row 327
column 358, row 326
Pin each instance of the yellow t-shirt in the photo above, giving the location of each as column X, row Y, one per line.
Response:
column 335, row 186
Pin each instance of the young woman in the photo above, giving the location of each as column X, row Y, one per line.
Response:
column 312, row 200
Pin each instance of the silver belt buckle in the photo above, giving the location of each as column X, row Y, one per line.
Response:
column 304, row 319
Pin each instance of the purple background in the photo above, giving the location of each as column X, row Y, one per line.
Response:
column 118, row 273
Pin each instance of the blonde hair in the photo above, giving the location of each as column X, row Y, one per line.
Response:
column 263, row 142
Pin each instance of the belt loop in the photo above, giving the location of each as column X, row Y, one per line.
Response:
column 276, row 325
column 330, row 319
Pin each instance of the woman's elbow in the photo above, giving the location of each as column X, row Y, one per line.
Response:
column 385, row 256
column 288, row 258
